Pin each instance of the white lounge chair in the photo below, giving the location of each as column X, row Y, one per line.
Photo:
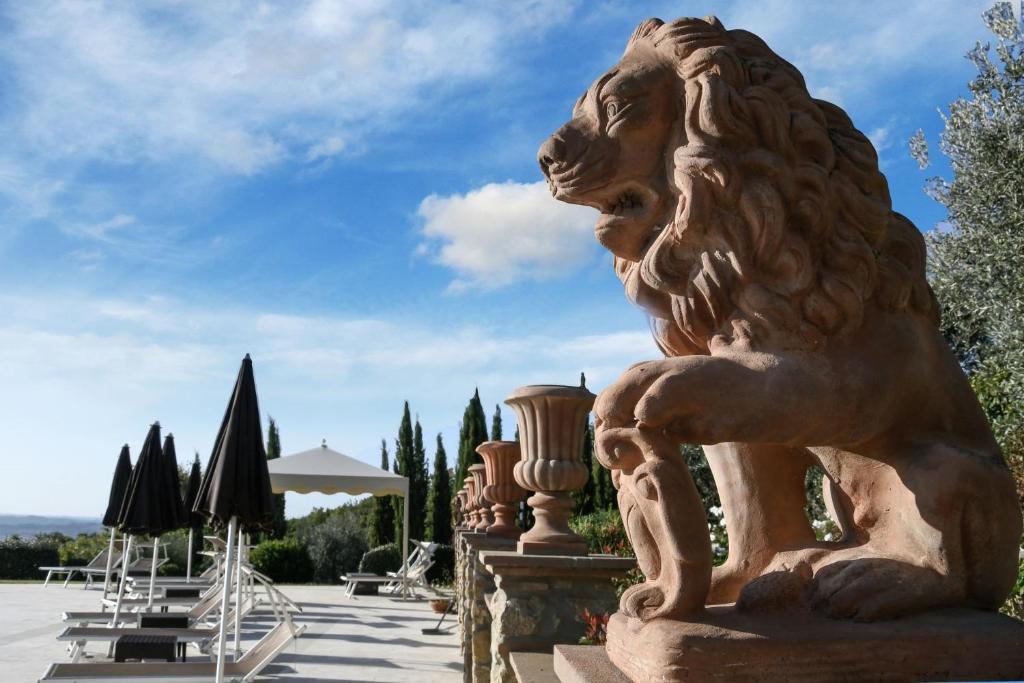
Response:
column 200, row 609
column 419, row 561
column 244, row 670
column 96, row 566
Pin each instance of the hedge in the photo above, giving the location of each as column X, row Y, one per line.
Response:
column 21, row 559
column 284, row 561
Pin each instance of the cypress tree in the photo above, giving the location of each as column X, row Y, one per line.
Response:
column 418, row 486
column 280, row 526
column 603, row 490
column 439, row 507
column 382, row 524
column 586, row 498
column 404, row 467
column 496, row 424
column 472, row 434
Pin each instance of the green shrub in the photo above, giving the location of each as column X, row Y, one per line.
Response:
column 21, row 559
column 82, row 549
column 335, row 546
column 443, row 570
column 284, row 561
column 1014, row 605
column 604, row 533
column 382, row 559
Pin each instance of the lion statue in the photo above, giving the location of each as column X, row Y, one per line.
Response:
column 753, row 225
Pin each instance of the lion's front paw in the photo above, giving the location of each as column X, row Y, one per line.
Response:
column 643, row 601
column 871, row 589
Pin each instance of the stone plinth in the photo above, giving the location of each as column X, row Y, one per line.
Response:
column 585, row 664
column 476, row 584
column 538, row 600
column 722, row 644
column 533, row 667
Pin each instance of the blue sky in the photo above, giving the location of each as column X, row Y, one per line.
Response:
column 349, row 192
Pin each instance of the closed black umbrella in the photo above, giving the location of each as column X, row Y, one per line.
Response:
column 237, row 484
column 149, row 508
column 118, row 487
column 236, row 487
column 175, row 508
column 195, row 520
column 142, row 512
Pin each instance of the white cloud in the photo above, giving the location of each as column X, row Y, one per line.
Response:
column 237, row 84
column 81, row 376
column 506, row 232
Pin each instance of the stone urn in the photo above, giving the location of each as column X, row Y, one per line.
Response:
column 500, row 458
column 485, row 518
column 472, row 514
column 552, row 424
column 460, row 498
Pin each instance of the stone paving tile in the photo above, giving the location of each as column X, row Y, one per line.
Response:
column 346, row 641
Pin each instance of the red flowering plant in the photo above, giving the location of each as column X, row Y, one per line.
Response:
column 596, row 626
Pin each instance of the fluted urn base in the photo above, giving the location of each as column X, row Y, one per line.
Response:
column 551, row 534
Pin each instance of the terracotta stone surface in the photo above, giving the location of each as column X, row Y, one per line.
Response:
column 552, row 422
column 535, row 667
column 585, row 664
column 724, row 645
column 500, row 458
column 473, row 510
column 485, row 518
column 754, row 226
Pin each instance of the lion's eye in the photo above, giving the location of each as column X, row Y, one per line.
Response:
column 611, row 109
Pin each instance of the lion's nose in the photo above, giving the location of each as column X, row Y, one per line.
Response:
column 551, row 152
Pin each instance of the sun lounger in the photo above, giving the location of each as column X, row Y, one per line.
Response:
column 420, row 560
column 392, row 582
column 199, row 609
column 244, row 670
column 98, row 565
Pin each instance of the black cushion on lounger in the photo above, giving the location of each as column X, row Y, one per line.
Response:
column 139, row 572
column 181, row 592
column 162, row 620
column 145, row 647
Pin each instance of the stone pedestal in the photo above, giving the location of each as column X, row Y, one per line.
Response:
column 538, row 600
column 476, row 584
column 723, row 644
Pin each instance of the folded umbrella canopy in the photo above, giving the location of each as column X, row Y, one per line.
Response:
column 195, row 520
column 118, row 487
column 236, row 484
column 236, row 487
column 149, row 507
column 177, row 516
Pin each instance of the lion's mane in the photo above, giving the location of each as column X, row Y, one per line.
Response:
column 783, row 225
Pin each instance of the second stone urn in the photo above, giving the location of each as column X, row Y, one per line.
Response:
column 486, row 518
column 552, row 425
column 472, row 512
column 500, row 458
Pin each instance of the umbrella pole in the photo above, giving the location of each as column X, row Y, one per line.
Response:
column 110, row 562
column 123, row 583
column 405, row 546
column 225, row 601
column 238, row 597
column 188, row 562
column 152, row 570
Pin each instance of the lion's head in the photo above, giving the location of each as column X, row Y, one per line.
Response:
column 739, row 209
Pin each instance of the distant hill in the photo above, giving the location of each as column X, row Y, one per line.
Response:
column 30, row 525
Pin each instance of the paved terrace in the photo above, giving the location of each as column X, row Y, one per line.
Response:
column 350, row 641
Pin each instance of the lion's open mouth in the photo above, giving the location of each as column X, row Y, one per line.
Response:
column 631, row 206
